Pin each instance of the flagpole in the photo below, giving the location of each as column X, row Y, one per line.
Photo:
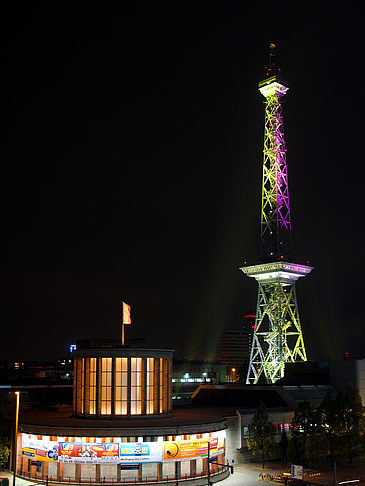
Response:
column 121, row 319
column 125, row 316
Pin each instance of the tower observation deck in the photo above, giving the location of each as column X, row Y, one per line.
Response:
column 277, row 337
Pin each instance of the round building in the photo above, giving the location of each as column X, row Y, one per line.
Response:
column 122, row 427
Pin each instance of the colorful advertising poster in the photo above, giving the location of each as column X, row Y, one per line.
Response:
column 192, row 449
column 39, row 450
column 79, row 452
column 131, row 452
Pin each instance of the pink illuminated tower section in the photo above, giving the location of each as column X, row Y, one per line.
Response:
column 277, row 335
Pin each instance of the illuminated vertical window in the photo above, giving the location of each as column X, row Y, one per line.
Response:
column 149, row 386
column 156, row 406
column 169, row 385
column 163, row 385
column 90, row 394
column 74, row 393
column 136, row 386
column 80, row 377
column 106, row 386
column 121, row 383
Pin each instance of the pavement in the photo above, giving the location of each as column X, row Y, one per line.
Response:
column 249, row 475
column 18, row 481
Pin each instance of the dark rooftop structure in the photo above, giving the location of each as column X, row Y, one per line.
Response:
column 247, row 396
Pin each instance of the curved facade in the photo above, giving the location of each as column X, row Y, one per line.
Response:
column 121, row 428
column 122, row 382
column 66, row 449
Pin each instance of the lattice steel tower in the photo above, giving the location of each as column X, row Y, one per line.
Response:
column 277, row 337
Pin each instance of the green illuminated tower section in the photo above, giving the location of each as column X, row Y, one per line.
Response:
column 277, row 337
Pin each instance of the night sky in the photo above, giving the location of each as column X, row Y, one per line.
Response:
column 134, row 170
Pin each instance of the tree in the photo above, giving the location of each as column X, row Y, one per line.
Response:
column 4, row 439
column 261, row 435
column 308, row 433
column 351, row 422
column 297, row 428
column 4, row 451
column 283, row 444
column 315, row 447
column 336, row 427
column 330, row 412
column 291, row 452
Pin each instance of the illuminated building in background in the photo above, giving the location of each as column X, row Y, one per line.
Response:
column 188, row 375
column 277, row 337
column 235, row 348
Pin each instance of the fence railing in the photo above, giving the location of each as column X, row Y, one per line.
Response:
column 36, row 476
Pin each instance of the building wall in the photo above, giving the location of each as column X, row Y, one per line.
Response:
column 346, row 371
column 280, row 419
column 37, row 458
column 122, row 382
column 233, row 438
column 235, row 347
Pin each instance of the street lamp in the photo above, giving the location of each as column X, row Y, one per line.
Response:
column 17, row 394
column 208, row 454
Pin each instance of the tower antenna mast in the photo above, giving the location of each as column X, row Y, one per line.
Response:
column 277, row 337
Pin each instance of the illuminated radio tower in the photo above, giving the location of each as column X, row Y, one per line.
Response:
column 277, row 337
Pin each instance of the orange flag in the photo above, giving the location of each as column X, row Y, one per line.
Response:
column 126, row 313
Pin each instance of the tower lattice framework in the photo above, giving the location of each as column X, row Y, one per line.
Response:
column 277, row 336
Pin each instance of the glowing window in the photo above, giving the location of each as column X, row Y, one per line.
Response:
column 106, row 386
column 80, row 383
column 136, row 386
column 150, row 386
column 121, row 384
column 163, row 385
column 90, row 387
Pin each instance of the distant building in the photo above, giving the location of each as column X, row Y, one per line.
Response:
column 337, row 373
column 236, row 346
column 188, row 375
column 42, row 383
column 348, row 371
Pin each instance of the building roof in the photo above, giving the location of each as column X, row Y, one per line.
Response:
column 314, row 394
column 240, row 396
column 62, row 423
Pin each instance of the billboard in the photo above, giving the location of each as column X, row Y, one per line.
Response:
column 192, row 449
column 120, row 452
column 86, row 453
column 131, row 452
column 39, row 450
column 296, row 472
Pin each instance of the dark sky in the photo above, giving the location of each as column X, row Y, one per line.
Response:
column 134, row 170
